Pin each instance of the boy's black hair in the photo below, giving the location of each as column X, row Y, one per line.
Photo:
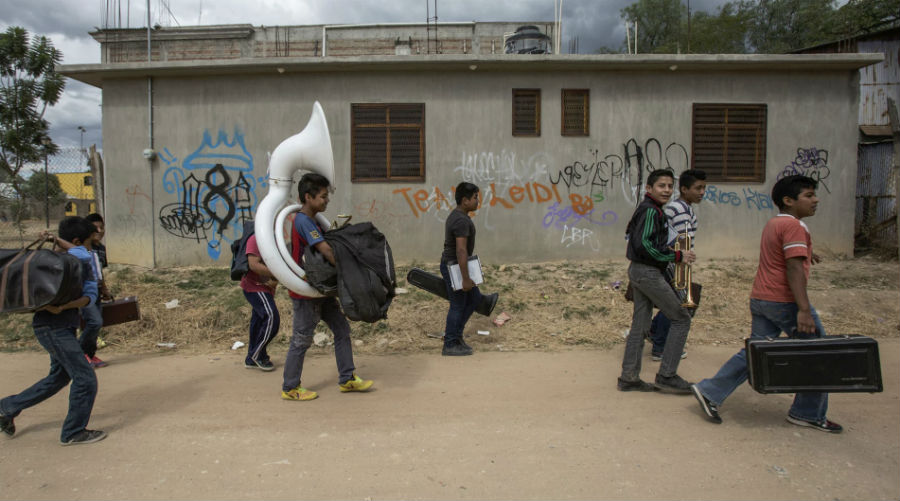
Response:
column 791, row 186
column 94, row 218
column 311, row 184
column 465, row 190
column 689, row 177
column 658, row 173
column 74, row 227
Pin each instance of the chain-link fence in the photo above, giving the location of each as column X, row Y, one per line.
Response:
column 68, row 183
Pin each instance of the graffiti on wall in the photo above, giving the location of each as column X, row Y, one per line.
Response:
column 134, row 194
column 215, row 190
column 748, row 198
column 811, row 162
column 625, row 169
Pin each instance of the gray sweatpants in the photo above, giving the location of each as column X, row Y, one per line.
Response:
column 307, row 313
column 650, row 288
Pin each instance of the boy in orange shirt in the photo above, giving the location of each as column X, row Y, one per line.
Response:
column 779, row 303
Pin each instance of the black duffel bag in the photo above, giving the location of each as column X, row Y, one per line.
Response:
column 33, row 278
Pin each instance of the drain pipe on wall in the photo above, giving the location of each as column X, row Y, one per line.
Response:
column 149, row 154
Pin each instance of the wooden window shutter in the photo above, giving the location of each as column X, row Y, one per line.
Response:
column 729, row 141
column 388, row 142
column 576, row 112
column 526, row 111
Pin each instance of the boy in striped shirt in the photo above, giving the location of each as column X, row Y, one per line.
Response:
column 691, row 187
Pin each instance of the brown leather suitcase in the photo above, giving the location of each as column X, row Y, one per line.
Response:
column 120, row 311
column 848, row 363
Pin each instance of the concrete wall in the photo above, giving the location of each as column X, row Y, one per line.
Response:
column 200, row 43
column 640, row 120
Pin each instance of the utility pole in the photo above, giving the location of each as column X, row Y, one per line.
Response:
column 83, row 130
column 689, row 27
column 895, row 159
column 46, row 142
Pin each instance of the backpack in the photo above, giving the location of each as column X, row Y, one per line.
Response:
column 365, row 271
column 239, row 264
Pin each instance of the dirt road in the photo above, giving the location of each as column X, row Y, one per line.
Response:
column 498, row 425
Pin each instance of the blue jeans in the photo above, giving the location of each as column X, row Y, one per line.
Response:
column 264, row 323
column 462, row 305
column 769, row 319
column 67, row 363
column 659, row 332
column 93, row 320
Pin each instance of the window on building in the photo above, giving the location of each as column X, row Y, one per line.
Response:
column 387, row 142
column 729, row 141
column 526, row 112
column 576, row 112
column 88, row 181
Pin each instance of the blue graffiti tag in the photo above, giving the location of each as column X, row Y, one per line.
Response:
column 213, row 204
column 753, row 199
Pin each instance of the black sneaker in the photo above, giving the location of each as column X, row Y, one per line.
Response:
column 265, row 365
column 824, row 425
column 456, row 350
column 635, row 385
column 673, row 384
column 709, row 408
column 7, row 425
column 86, row 437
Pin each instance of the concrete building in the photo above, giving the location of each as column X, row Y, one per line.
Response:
column 560, row 144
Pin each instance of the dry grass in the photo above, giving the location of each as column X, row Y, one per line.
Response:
column 554, row 306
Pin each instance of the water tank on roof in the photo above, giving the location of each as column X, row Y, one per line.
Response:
column 528, row 40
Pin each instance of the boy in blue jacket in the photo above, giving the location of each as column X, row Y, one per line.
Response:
column 649, row 253
column 54, row 328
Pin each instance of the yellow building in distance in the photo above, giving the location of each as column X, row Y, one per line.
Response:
column 77, row 186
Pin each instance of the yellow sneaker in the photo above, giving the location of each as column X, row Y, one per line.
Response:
column 356, row 384
column 299, row 393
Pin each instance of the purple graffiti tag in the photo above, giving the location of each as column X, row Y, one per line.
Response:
column 558, row 216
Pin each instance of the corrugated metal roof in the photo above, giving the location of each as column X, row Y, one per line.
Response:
column 878, row 81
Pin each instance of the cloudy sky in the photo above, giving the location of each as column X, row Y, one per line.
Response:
column 595, row 23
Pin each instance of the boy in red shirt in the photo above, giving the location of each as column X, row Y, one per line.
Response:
column 779, row 302
column 259, row 285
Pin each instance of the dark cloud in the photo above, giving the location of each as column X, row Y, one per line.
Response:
column 45, row 17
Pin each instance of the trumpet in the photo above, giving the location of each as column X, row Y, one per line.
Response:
column 682, row 278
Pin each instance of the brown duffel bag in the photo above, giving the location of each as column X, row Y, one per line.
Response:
column 33, row 278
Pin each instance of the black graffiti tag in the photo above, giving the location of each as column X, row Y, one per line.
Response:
column 192, row 217
column 217, row 190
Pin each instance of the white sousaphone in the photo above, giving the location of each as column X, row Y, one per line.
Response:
column 309, row 150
